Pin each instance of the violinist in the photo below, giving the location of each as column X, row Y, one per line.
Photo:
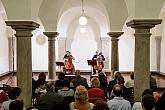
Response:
column 100, row 60
column 69, row 67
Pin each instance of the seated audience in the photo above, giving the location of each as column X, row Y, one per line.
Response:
column 130, row 83
column 16, row 105
column 81, row 99
column 59, row 84
column 66, row 91
column 126, row 93
column 95, row 92
column 118, row 102
column 79, row 80
column 13, row 95
column 51, row 100
column 148, row 102
column 103, row 82
column 100, row 105
column 113, row 82
column 138, row 105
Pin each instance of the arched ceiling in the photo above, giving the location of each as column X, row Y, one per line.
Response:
column 75, row 12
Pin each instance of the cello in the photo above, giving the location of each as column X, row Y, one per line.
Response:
column 69, row 64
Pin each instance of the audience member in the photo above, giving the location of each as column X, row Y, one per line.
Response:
column 16, row 105
column 118, row 102
column 148, row 102
column 59, row 84
column 138, row 105
column 66, row 91
column 13, row 95
column 95, row 92
column 81, row 99
column 130, row 83
column 51, row 100
column 113, row 82
column 103, row 80
column 79, row 80
column 100, row 105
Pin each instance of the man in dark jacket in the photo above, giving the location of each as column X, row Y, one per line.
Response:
column 79, row 80
column 51, row 100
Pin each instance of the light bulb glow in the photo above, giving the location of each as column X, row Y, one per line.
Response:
column 82, row 20
column 82, row 30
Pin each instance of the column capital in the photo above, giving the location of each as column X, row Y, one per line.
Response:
column 115, row 34
column 158, row 37
column 23, row 28
column 143, row 23
column 51, row 35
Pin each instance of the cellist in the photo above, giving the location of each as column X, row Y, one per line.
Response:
column 68, row 62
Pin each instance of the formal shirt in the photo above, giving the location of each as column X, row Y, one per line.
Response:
column 119, row 103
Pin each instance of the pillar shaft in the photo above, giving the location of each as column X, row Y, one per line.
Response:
column 24, row 57
column 158, row 52
column 114, row 51
column 51, row 54
column 142, row 54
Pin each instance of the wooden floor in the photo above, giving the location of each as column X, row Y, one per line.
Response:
column 11, row 79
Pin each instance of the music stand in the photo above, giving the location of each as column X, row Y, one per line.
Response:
column 58, row 63
column 91, row 63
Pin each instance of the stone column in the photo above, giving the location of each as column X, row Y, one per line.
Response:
column 61, row 48
column 158, row 52
column 24, row 57
column 105, row 51
column 114, row 51
column 142, row 54
column 51, row 54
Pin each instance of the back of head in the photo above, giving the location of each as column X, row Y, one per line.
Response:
column 147, row 91
column 120, row 80
column 148, row 102
column 61, row 76
column 66, row 83
column 117, row 90
column 81, row 95
column 100, row 105
column 16, row 105
column 117, row 74
column 95, row 82
column 49, row 86
column 42, row 75
column 14, row 93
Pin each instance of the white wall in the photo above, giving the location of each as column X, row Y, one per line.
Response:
column 83, row 47
column 39, row 50
column 126, row 50
column 4, row 56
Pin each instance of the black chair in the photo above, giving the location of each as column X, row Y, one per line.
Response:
column 67, row 101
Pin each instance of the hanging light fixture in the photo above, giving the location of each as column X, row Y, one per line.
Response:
column 82, row 19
